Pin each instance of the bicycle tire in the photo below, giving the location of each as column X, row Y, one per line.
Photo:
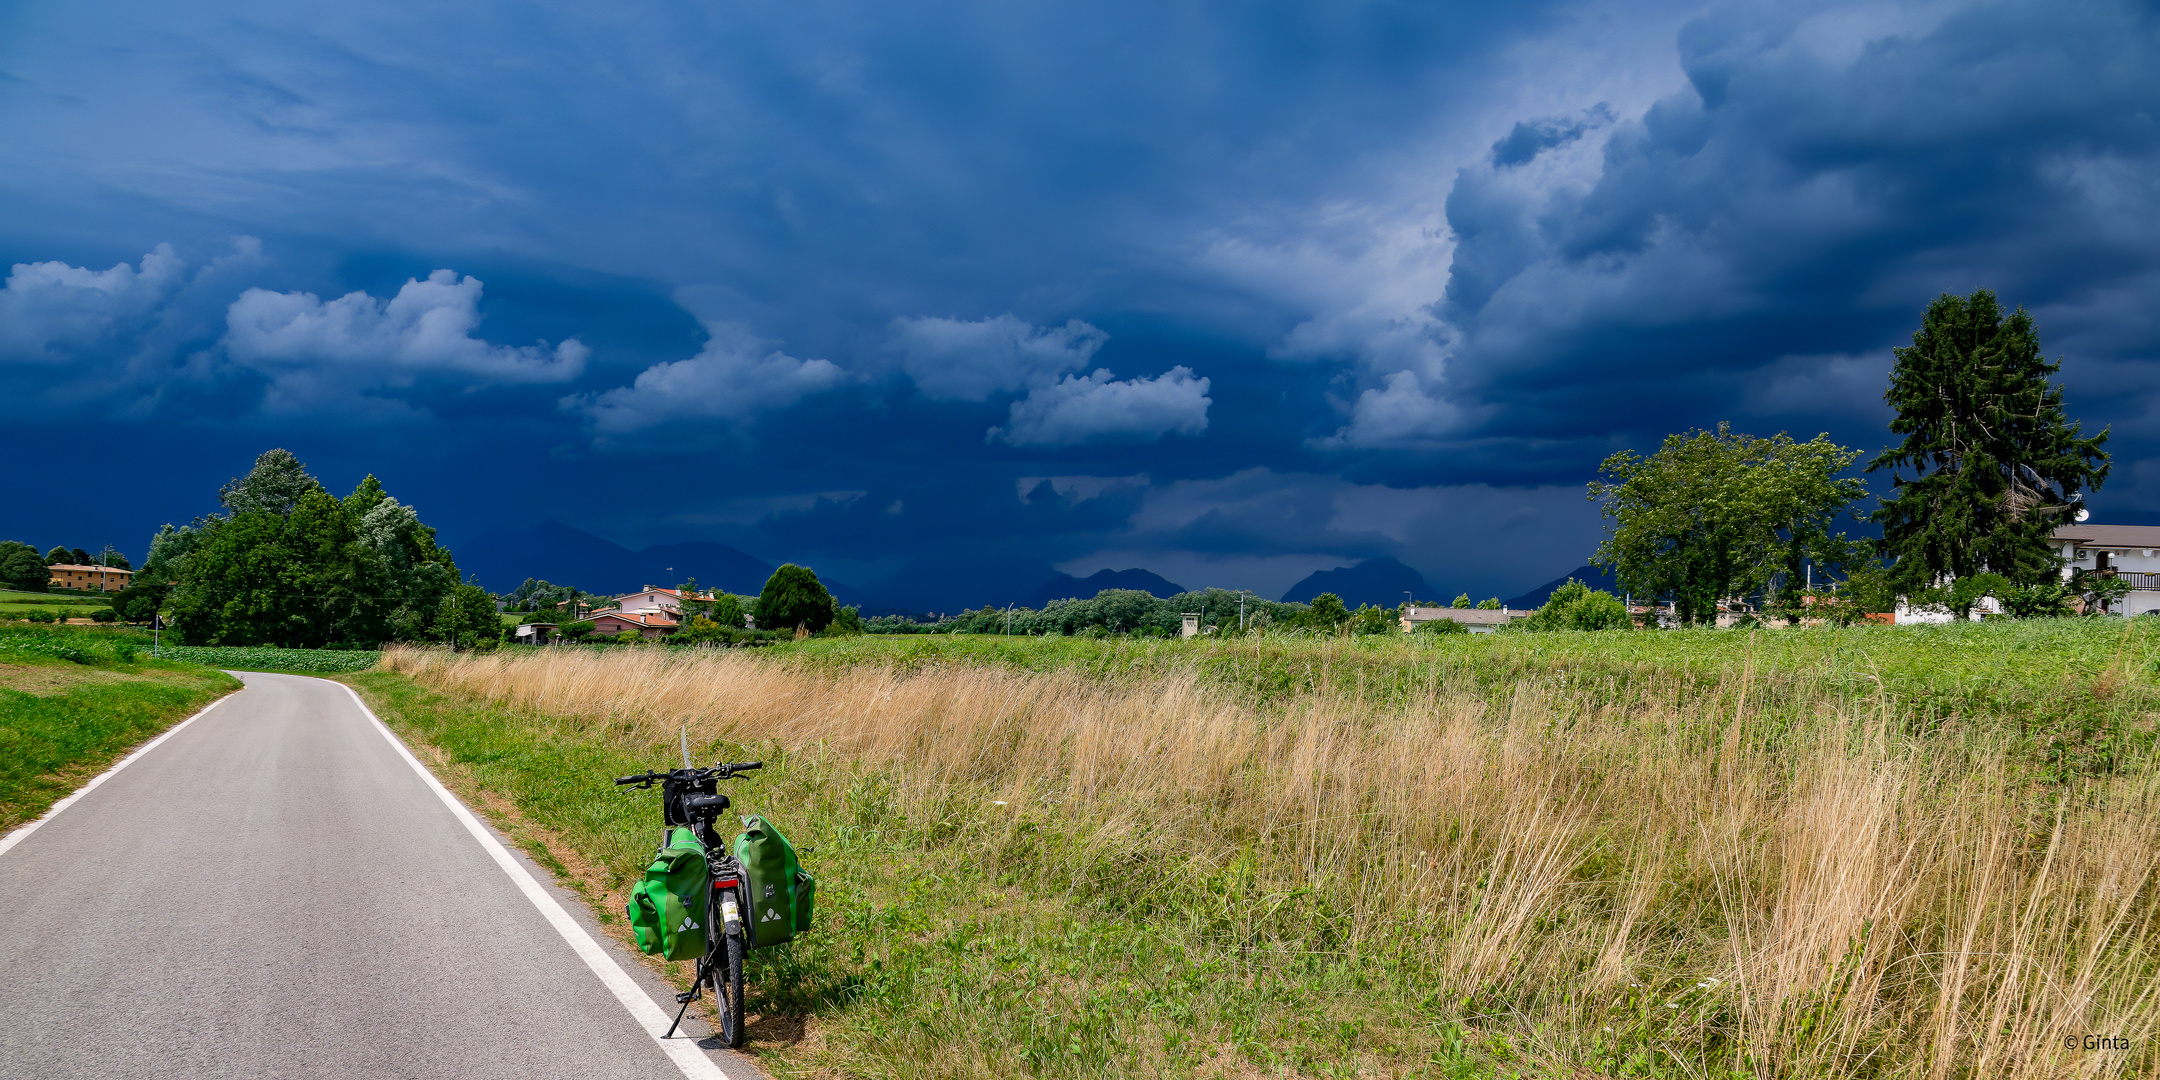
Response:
column 727, row 986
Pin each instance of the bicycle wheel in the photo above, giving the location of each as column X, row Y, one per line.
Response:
column 727, row 985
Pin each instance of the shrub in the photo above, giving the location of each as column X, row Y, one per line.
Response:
column 1576, row 606
column 1443, row 626
column 41, row 616
column 104, row 614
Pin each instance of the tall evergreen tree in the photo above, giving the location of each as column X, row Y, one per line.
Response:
column 793, row 598
column 1996, row 462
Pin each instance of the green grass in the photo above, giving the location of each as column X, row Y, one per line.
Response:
column 265, row 658
column 971, row 944
column 71, row 703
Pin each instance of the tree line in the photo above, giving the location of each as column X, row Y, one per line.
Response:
column 1989, row 465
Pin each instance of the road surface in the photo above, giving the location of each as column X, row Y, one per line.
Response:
column 276, row 891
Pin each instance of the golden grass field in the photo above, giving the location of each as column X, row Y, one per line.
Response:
column 1759, row 874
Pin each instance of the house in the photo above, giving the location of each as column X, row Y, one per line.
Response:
column 1478, row 620
column 536, row 633
column 2129, row 552
column 92, row 578
column 651, row 625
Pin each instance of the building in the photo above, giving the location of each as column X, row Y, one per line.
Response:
column 651, row 625
column 1479, row 620
column 89, row 578
column 2129, row 552
column 536, row 633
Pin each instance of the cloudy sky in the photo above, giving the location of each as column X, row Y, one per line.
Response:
column 1229, row 291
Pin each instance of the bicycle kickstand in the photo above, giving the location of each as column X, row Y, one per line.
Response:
column 697, row 990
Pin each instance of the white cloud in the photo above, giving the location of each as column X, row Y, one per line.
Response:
column 1400, row 415
column 733, row 377
column 1090, row 408
column 956, row 360
column 321, row 354
column 49, row 310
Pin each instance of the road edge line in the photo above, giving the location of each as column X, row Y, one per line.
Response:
column 9, row 841
column 648, row 1015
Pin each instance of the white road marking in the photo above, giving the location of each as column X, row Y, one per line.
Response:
column 14, row 838
column 683, row 1052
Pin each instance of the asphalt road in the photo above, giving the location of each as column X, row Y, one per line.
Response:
column 275, row 891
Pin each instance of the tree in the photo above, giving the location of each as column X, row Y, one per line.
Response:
column 112, row 557
column 1719, row 514
column 1461, row 601
column 58, row 556
column 1996, row 460
column 21, row 568
column 297, row 568
column 1326, row 613
column 1490, row 603
column 467, row 618
column 1576, row 606
column 794, row 598
column 1442, row 626
column 1369, row 620
column 273, row 486
column 79, row 557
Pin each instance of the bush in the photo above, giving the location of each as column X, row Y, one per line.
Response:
column 41, row 616
column 1443, row 626
column 104, row 614
column 1576, row 606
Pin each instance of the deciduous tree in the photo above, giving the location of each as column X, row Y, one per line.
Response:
column 1718, row 514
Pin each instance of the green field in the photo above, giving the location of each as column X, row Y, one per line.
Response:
column 266, row 658
column 14, row 604
column 1790, row 853
column 73, row 701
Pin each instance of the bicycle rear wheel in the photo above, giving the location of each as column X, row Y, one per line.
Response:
column 727, row 985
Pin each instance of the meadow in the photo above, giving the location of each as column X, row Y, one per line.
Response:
column 1895, row 852
column 74, row 701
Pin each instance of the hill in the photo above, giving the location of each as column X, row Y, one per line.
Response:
column 1588, row 575
column 1380, row 582
column 1068, row 587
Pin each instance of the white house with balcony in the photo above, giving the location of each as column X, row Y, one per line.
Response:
column 2130, row 552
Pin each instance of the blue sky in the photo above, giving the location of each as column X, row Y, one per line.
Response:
column 1233, row 292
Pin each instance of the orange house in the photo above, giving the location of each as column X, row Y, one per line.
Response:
column 94, row 578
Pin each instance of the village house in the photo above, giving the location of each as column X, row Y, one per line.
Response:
column 653, row 613
column 1478, row 620
column 2129, row 552
column 90, row 578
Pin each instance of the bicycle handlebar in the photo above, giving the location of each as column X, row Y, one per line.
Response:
column 718, row 772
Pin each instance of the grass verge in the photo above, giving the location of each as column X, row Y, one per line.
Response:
column 1785, row 855
column 71, row 704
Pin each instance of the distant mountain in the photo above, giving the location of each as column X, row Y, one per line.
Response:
column 553, row 551
column 1068, row 587
column 1588, row 575
column 1380, row 582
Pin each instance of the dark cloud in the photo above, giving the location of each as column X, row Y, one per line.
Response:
column 1529, row 138
column 963, row 291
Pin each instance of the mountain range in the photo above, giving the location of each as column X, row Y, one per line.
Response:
column 950, row 581
column 1381, row 582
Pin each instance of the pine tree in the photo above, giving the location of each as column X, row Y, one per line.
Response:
column 1997, row 463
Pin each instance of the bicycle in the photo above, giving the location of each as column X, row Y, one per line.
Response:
column 690, row 797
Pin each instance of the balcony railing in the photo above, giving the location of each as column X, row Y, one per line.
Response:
column 2136, row 579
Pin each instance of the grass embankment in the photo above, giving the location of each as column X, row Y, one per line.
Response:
column 1884, row 852
column 73, row 702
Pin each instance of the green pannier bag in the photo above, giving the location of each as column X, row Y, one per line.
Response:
column 781, row 894
column 667, row 905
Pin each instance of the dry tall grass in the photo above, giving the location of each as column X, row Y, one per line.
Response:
column 1810, row 893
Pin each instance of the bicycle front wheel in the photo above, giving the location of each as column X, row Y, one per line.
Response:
column 727, row 986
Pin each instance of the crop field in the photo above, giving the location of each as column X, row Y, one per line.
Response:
column 265, row 658
column 1879, row 852
column 71, row 702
